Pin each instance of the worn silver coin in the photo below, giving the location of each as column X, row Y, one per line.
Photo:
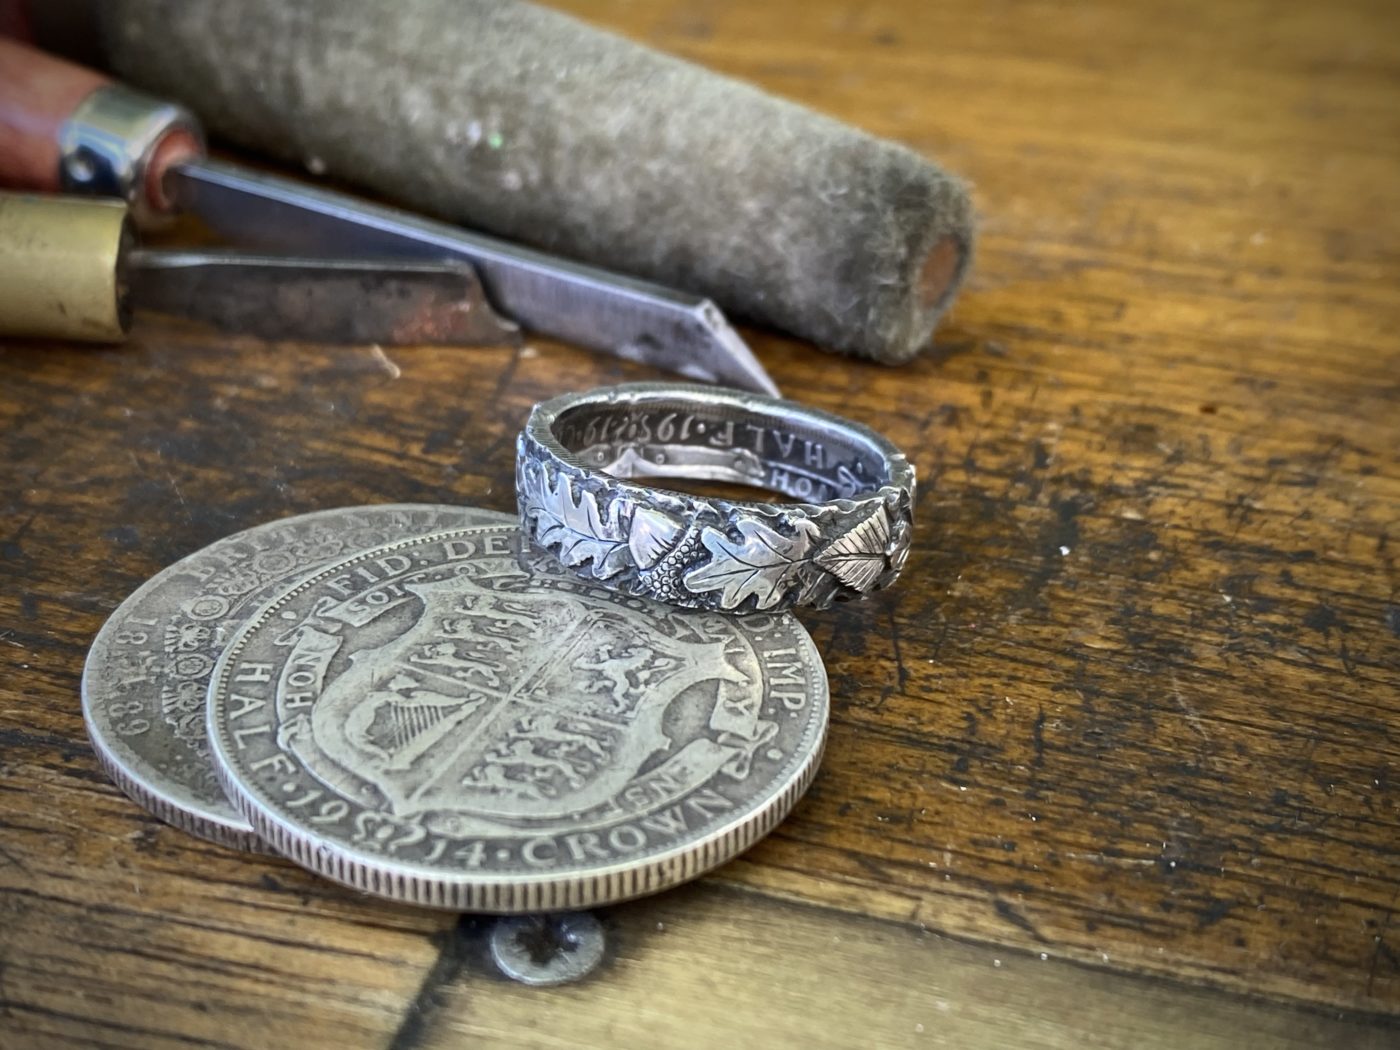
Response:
column 454, row 722
column 148, row 670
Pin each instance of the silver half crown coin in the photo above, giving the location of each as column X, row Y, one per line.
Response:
column 147, row 672
column 452, row 722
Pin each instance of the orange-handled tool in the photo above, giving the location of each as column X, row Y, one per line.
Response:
column 70, row 269
column 67, row 129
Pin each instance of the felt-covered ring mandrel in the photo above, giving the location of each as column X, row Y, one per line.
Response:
column 530, row 124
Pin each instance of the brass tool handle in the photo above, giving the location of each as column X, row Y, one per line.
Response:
column 65, row 128
column 62, row 261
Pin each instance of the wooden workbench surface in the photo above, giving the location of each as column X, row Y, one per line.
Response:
column 1116, row 763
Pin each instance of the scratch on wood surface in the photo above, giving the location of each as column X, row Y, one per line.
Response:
column 391, row 368
column 1100, row 858
column 1190, row 712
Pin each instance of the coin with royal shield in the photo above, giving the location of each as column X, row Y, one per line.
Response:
column 457, row 722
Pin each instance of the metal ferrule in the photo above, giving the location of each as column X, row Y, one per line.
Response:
column 106, row 146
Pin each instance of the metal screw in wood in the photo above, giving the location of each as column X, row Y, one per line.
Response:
column 547, row 950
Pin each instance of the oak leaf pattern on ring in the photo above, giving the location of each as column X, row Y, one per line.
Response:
column 581, row 531
column 761, row 564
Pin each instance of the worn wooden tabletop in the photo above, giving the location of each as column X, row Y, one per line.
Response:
column 1116, row 763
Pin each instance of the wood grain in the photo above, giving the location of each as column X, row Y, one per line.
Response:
column 1133, row 705
column 780, row 974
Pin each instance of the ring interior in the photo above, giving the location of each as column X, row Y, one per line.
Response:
column 801, row 458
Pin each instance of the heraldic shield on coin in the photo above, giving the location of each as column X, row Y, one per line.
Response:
column 455, row 722
column 147, row 673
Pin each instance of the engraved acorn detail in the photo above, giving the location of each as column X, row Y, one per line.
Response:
column 662, row 547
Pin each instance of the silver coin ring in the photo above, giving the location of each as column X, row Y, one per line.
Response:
column 581, row 458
